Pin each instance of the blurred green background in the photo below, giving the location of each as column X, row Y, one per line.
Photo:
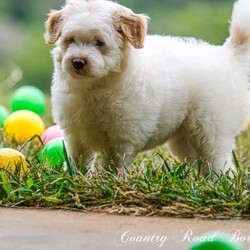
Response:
column 25, row 58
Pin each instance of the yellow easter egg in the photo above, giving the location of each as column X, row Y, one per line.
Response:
column 10, row 159
column 22, row 125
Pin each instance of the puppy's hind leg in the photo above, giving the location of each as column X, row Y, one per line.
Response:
column 198, row 139
column 221, row 160
column 211, row 142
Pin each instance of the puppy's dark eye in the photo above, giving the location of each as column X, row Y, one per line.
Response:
column 99, row 43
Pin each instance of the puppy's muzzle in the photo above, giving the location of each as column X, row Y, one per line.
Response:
column 78, row 64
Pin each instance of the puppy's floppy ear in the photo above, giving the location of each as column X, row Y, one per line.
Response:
column 132, row 27
column 53, row 26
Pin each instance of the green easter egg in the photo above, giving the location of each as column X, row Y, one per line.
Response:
column 28, row 98
column 53, row 152
column 4, row 113
column 217, row 241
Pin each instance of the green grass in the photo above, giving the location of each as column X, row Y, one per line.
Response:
column 155, row 185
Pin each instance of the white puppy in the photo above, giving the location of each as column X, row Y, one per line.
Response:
column 118, row 91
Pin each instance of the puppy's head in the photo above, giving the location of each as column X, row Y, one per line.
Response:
column 93, row 36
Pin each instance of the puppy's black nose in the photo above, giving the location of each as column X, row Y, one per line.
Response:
column 78, row 63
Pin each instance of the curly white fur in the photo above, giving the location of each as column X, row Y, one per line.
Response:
column 127, row 99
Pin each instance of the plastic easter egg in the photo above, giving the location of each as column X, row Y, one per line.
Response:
column 51, row 133
column 12, row 159
column 220, row 241
column 22, row 125
column 4, row 113
column 53, row 152
column 28, row 98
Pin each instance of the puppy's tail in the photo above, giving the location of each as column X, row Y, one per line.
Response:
column 240, row 27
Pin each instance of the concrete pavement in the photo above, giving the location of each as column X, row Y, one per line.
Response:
column 26, row 229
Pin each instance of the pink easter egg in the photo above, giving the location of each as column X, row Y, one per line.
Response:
column 51, row 133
